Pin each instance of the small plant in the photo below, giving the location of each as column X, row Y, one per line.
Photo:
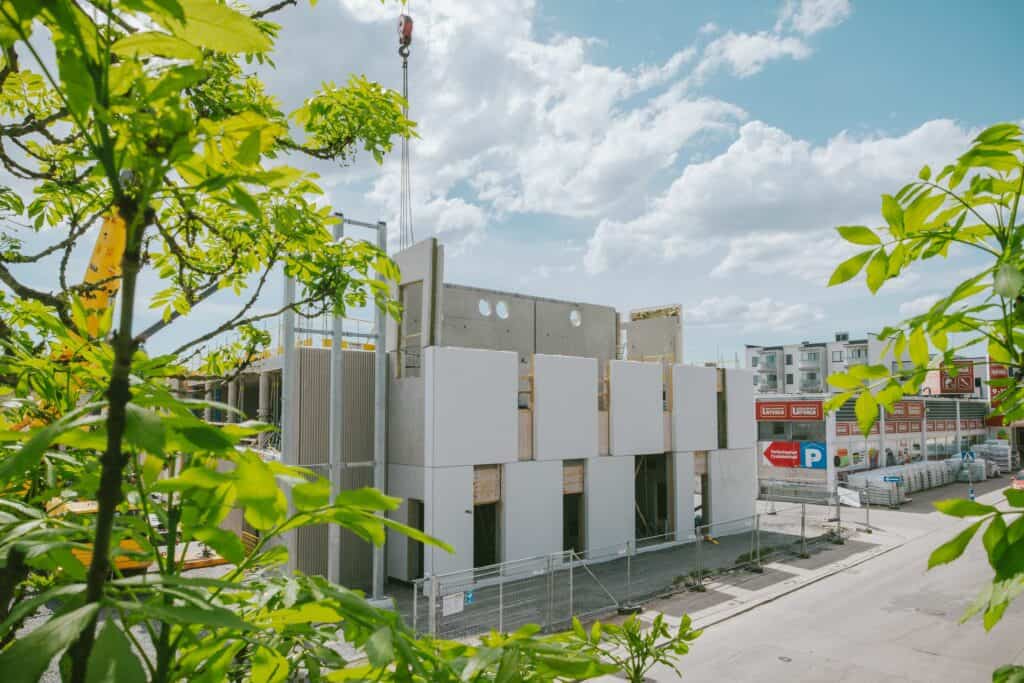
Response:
column 632, row 649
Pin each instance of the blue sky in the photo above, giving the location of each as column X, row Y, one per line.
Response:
column 638, row 154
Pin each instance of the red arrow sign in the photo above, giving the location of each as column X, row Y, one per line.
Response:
column 783, row 453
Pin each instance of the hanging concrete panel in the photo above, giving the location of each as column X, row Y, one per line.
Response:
column 471, row 409
column 564, row 407
column 448, row 515
column 609, row 499
column 741, row 428
column 683, row 485
column 732, row 480
column 694, row 408
column 637, row 407
column 531, row 509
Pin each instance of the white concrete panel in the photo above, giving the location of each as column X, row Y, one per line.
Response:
column 682, row 468
column 695, row 408
column 609, row 500
column 448, row 516
column 741, row 429
column 732, row 481
column 472, row 414
column 564, row 407
column 531, row 507
column 636, row 408
column 405, row 482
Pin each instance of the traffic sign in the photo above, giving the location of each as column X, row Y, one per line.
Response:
column 469, row 597
column 893, row 479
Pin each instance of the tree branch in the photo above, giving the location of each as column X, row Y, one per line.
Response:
column 273, row 8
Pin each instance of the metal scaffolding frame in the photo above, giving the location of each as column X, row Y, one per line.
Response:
column 336, row 463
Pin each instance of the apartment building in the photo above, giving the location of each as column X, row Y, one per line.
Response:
column 804, row 368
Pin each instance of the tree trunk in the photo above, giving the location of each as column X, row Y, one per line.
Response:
column 113, row 460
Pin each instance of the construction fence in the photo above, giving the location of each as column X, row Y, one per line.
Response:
column 550, row 590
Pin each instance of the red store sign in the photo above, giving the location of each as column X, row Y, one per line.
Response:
column 789, row 411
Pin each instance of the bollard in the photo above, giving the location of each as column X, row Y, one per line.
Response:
column 551, row 590
column 571, row 612
column 629, row 573
column 839, row 519
column 757, row 544
column 867, row 513
column 415, row 600
column 698, row 570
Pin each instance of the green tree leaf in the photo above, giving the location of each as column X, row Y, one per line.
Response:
column 28, row 656
column 859, row 234
column 1008, row 281
column 878, row 270
column 112, row 659
column 154, row 43
column 268, row 666
column 893, row 214
column 925, row 173
column 961, row 507
column 949, row 551
column 216, row 26
column 849, row 268
column 866, row 409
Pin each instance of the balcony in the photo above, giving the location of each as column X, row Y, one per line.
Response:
column 805, row 364
column 767, row 362
column 768, row 387
column 811, row 386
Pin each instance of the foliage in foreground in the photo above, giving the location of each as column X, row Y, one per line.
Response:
column 144, row 114
column 971, row 204
column 633, row 649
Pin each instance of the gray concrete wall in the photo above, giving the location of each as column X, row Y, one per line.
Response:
column 652, row 338
column 609, row 501
column 531, row 508
column 564, row 407
column 683, row 484
column 405, row 482
column 406, row 397
column 739, row 391
column 636, row 408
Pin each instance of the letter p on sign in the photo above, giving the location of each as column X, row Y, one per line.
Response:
column 812, row 455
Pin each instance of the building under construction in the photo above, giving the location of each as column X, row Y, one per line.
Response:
column 515, row 426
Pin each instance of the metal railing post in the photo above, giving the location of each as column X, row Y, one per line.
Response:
column 867, row 513
column 433, row 606
column 415, row 610
column 550, row 596
column 698, row 570
column 839, row 518
column 629, row 573
column 571, row 612
column 757, row 543
column 501, row 600
column 803, row 530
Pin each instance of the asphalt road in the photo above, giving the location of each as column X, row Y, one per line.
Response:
column 884, row 620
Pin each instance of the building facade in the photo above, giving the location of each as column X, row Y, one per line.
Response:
column 804, row 368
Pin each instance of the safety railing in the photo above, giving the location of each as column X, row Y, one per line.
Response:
column 551, row 589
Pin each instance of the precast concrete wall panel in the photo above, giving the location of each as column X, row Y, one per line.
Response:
column 575, row 329
column 448, row 515
column 531, row 509
column 564, row 407
column 636, row 408
column 471, row 408
column 683, row 474
column 406, row 403
column 609, row 501
column 695, row 408
column 741, row 429
column 732, row 480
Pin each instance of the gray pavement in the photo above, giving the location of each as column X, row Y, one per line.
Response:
column 869, row 615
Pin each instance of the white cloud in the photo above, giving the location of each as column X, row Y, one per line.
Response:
column 919, row 305
column 709, row 28
column 746, row 54
column 772, row 199
column 749, row 315
column 810, row 16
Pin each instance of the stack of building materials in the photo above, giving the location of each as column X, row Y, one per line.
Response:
column 890, row 485
column 998, row 452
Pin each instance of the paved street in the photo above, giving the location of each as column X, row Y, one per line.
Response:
column 885, row 619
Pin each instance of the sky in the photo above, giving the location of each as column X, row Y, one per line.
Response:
column 639, row 154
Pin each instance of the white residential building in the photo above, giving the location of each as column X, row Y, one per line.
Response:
column 804, row 368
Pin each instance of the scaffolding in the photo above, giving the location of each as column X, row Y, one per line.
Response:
column 337, row 333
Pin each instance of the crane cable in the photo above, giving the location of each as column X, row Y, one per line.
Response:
column 405, row 239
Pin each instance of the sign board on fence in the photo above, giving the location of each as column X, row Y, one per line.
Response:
column 848, row 497
column 469, row 597
column 892, row 479
column 452, row 604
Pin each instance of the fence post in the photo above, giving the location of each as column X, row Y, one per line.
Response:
column 839, row 519
column 757, row 544
column 432, row 620
column 629, row 573
column 572, row 613
column 803, row 530
column 501, row 600
column 698, row 570
column 415, row 599
column 867, row 513
column 551, row 581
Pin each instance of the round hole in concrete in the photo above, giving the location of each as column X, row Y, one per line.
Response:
column 575, row 319
column 484, row 307
column 501, row 308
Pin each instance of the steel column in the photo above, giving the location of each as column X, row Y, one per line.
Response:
column 335, row 425
column 289, row 435
column 380, row 388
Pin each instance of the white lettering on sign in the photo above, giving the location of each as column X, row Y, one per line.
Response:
column 452, row 604
column 804, row 411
